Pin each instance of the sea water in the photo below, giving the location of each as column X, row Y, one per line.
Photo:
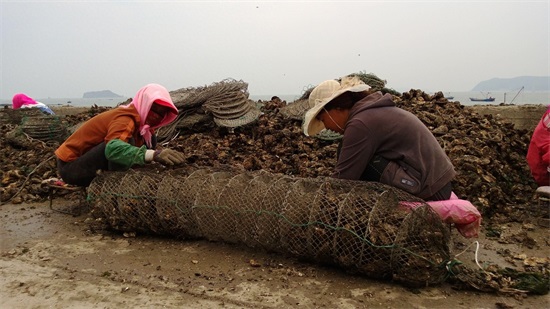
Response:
column 76, row 102
column 523, row 97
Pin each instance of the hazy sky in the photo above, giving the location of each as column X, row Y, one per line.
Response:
column 61, row 49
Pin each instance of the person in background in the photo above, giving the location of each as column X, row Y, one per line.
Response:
column 21, row 100
column 119, row 138
column 381, row 142
column 538, row 153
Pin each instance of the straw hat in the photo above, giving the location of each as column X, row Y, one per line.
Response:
column 323, row 94
column 323, row 91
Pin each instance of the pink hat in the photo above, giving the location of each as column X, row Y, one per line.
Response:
column 144, row 99
column 21, row 99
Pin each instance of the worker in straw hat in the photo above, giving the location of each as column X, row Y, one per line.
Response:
column 381, row 142
column 119, row 138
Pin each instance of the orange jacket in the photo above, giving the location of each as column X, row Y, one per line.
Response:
column 118, row 123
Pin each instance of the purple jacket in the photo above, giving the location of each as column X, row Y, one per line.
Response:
column 376, row 126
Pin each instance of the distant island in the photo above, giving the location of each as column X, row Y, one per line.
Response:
column 100, row 94
column 531, row 83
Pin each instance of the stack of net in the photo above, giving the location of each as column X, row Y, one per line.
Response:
column 219, row 102
column 355, row 225
column 295, row 110
column 371, row 79
column 187, row 98
column 233, row 108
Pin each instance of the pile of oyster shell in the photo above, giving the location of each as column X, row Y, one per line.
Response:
column 488, row 153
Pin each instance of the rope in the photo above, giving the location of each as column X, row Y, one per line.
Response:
column 475, row 255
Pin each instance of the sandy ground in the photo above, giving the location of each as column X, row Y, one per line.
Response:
column 54, row 260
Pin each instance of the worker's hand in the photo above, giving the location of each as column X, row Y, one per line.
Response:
column 169, row 157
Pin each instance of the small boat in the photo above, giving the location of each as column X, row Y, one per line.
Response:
column 489, row 99
column 449, row 98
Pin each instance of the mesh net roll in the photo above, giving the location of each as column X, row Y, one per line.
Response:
column 359, row 226
column 44, row 127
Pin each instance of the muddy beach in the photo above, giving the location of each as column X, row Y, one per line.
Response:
column 49, row 259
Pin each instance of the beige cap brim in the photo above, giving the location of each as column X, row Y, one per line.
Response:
column 312, row 126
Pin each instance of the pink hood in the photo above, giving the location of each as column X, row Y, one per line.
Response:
column 143, row 101
column 21, row 99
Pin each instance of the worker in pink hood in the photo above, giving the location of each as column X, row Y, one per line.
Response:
column 119, row 138
column 538, row 154
column 21, row 100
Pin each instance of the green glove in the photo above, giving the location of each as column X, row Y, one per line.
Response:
column 169, row 157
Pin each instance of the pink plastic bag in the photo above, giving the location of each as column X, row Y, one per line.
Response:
column 463, row 214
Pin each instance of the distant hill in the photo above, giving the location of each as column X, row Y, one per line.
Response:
column 531, row 83
column 100, row 94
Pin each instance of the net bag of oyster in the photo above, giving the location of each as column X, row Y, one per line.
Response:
column 355, row 225
column 44, row 128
